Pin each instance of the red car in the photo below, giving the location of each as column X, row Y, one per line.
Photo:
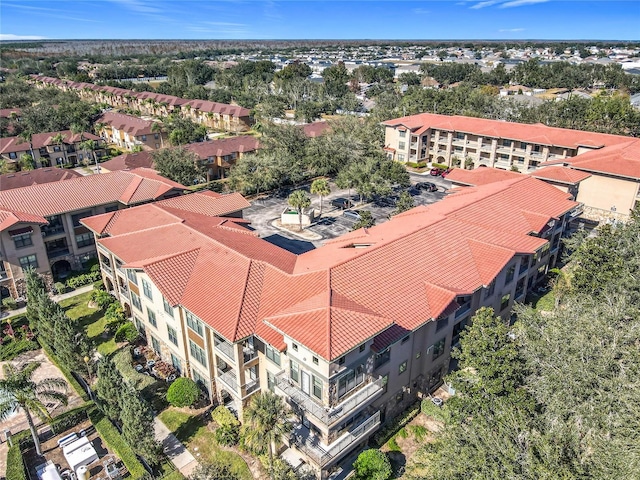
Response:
column 445, row 173
column 436, row 172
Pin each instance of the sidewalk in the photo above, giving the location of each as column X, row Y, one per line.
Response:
column 56, row 298
column 171, row 446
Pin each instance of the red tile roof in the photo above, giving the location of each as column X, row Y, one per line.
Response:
column 621, row 160
column 220, row 108
column 333, row 298
column 315, row 129
column 47, row 139
column 562, row 174
column 132, row 125
column 10, row 181
column 85, row 192
column 224, row 146
column 7, row 112
column 534, row 133
column 479, row 176
column 129, row 161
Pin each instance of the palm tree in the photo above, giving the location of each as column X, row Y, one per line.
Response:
column 157, row 128
column 25, row 136
column 321, row 188
column 267, row 420
column 19, row 390
column 59, row 139
column 89, row 147
column 299, row 200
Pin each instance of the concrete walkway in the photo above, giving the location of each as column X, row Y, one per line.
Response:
column 176, row 451
column 56, row 298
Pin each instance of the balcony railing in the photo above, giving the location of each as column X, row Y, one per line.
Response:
column 249, row 354
column 106, row 268
column 464, row 308
column 3, row 275
column 365, row 394
column 48, row 231
column 58, row 252
column 226, row 349
column 251, row 387
column 229, row 379
column 124, row 291
column 324, row 454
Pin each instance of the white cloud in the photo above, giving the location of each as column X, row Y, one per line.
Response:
column 138, row 6
column 511, row 30
column 519, row 3
column 486, row 3
column 421, row 11
column 11, row 36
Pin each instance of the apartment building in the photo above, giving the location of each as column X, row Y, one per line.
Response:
column 129, row 132
column 218, row 156
column 611, row 190
column 214, row 115
column 351, row 333
column 40, row 224
column 9, row 181
column 52, row 149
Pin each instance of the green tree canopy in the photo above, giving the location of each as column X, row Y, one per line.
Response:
column 177, row 164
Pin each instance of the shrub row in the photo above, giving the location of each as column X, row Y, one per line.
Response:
column 444, row 166
column 114, row 440
column 416, row 165
column 66, row 372
column 15, row 464
column 400, row 421
column 70, row 419
column 83, row 279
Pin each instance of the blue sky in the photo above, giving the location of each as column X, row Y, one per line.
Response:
column 314, row 19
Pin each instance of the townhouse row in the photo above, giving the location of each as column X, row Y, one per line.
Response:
column 609, row 190
column 213, row 115
column 351, row 333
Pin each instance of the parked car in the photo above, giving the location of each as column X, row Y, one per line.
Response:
column 385, row 201
column 428, row 186
column 445, row 173
column 413, row 191
column 341, row 203
column 351, row 215
column 436, row 172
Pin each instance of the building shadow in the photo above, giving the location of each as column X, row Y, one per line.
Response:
column 294, row 246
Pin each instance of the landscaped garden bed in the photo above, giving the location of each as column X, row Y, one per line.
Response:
column 15, row 338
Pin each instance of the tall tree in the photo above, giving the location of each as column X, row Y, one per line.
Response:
column 108, row 388
column 137, row 424
column 299, row 200
column 18, row 390
column 177, row 164
column 59, row 139
column 267, row 419
column 320, row 187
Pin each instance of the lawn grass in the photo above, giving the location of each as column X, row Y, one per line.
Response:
column 90, row 319
column 544, row 303
column 192, row 431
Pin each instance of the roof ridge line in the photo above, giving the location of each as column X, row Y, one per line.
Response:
column 242, row 303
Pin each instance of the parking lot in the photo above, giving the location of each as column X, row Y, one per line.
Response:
column 264, row 211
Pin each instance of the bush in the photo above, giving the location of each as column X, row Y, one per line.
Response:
column 227, row 435
column 60, row 287
column 440, row 165
column 416, row 165
column 15, row 464
column 9, row 303
column 223, row 416
column 10, row 350
column 400, row 421
column 99, row 285
column 184, row 392
column 127, row 332
column 102, row 298
column 429, row 409
column 372, row 465
column 115, row 442
column 70, row 419
column 83, row 279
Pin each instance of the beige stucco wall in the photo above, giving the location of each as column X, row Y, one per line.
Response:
column 604, row 193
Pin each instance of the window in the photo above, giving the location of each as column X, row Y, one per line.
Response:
column 23, row 240
column 506, row 143
column 341, row 361
column 152, row 317
column 405, row 339
column 13, row 155
column 155, row 344
column 167, row 306
column 144, row 138
column 272, row 354
column 490, row 289
column 350, row 380
column 403, row 367
column 156, row 136
column 295, row 371
column 146, row 288
column 504, row 302
column 315, row 360
column 460, row 136
column 438, row 348
column 510, row 273
column 523, row 145
column 294, row 346
column 84, row 239
column 402, row 133
column 197, row 353
column 442, row 322
column 402, row 145
column 131, row 275
column 382, row 357
column 317, row 387
column 362, row 347
column 199, row 379
column 195, row 324
column 135, row 299
column 271, row 381
column 28, row 261
column 79, row 216
column 173, row 335
column 401, row 157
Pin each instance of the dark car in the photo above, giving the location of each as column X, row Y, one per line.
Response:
column 341, row 203
column 428, row 186
column 385, row 201
column 436, row 172
column 413, row 191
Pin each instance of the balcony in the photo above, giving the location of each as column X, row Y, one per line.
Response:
column 57, row 252
column 229, row 380
column 106, row 268
column 249, row 353
column 464, row 308
column 251, row 387
column 225, row 348
column 322, row 454
column 124, row 290
column 50, row 230
column 359, row 397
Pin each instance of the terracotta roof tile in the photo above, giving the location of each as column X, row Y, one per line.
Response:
column 480, row 176
column 561, row 174
column 621, row 160
column 10, row 181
